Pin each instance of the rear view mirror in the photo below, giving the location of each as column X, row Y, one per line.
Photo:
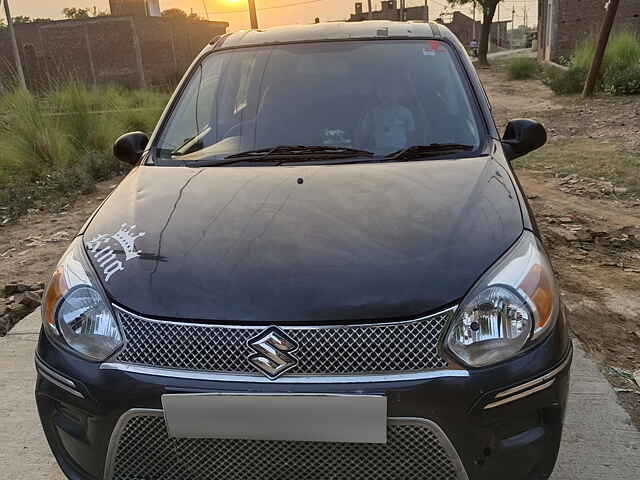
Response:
column 522, row 136
column 130, row 146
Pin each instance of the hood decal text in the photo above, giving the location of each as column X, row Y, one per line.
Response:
column 101, row 247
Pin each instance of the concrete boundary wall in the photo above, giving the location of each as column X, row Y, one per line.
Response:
column 127, row 51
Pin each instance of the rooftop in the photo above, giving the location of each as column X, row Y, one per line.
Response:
column 334, row 31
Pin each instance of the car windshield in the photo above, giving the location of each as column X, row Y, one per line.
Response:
column 359, row 96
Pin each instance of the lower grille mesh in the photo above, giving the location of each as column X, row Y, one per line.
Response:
column 143, row 451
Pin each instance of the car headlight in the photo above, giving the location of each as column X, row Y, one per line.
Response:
column 514, row 303
column 75, row 312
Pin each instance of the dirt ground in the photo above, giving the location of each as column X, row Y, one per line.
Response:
column 591, row 233
column 593, row 239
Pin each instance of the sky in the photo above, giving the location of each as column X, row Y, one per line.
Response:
column 285, row 11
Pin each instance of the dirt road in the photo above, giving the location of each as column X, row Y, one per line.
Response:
column 593, row 237
column 592, row 234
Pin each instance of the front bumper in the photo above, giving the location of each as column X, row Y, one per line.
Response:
column 490, row 436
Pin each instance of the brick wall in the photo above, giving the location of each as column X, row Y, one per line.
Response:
column 389, row 12
column 462, row 27
column 127, row 51
column 573, row 21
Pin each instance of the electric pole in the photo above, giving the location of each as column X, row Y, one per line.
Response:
column 370, row 10
column 594, row 71
column 402, row 2
column 426, row 10
column 14, row 46
column 499, row 29
column 253, row 15
column 206, row 12
column 474, row 21
column 513, row 23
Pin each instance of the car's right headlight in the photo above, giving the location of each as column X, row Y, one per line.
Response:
column 514, row 303
column 75, row 311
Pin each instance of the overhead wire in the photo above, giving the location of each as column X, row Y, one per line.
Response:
column 273, row 7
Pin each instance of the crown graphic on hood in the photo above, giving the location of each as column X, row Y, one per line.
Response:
column 126, row 237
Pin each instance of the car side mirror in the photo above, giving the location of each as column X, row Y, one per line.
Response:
column 522, row 136
column 130, row 146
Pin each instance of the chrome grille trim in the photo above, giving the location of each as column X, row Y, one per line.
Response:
column 169, row 347
column 416, row 448
column 293, row 379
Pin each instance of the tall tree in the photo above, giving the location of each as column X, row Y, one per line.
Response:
column 174, row 13
column 488, row 8
column 21, row 19
column 76, row 13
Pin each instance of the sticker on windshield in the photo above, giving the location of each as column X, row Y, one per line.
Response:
column 101, row 248
column 433, row 47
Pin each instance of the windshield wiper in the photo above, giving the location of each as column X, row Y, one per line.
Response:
column 434, row 149
column 305, row 150
column 287, row 153
column 191, row 145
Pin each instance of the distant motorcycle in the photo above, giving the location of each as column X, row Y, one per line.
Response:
column 474, row 48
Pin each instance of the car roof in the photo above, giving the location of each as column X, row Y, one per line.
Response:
column 332, row 31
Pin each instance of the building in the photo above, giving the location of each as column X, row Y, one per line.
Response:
column 135, row 8
column 464, row 27
column 135, row 50
column 389, row 11
column 459, row 23
column 563, row 24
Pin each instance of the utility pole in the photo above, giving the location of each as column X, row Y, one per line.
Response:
column 594, row 71
column 474, row 21
column 253, row 15
column 513, row 23
column 206, row 12
column 426, row 10
column 402, row 2
column 14, row 46
column 499, row 43
column 370, row 10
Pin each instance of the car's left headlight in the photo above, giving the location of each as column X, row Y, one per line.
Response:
column 75, row 312
column 514, row 303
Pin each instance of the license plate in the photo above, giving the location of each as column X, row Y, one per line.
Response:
column 298, row 417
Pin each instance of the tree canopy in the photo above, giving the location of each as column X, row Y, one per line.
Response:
column 179, row 14
column 488, row 8
column 76, row 13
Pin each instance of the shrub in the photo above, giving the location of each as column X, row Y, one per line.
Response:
column 623, row 52
column 59, row 144
column 620, row 73
column 623, row 82
column 522, row 68
column 565, row 82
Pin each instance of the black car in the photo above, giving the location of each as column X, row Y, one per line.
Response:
column 321, row 267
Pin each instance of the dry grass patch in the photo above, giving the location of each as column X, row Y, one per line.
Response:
column 588, row 158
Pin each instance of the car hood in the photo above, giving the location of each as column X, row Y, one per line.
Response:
column 301, row 244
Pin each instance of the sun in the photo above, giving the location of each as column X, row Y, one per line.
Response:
column 232, row 1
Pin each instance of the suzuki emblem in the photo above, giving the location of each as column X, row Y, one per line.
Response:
column 273, row 350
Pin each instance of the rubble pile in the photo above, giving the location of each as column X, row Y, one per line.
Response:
column 566, row 229
column 589, row 187
column 620, row 245
column 20, row 300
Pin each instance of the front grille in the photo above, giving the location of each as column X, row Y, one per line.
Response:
column 334, row 350
column 141, row 450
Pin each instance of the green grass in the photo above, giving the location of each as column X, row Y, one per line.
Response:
column 59, row 144
column 588, row 158
column 620, row 72
column 522, row 68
